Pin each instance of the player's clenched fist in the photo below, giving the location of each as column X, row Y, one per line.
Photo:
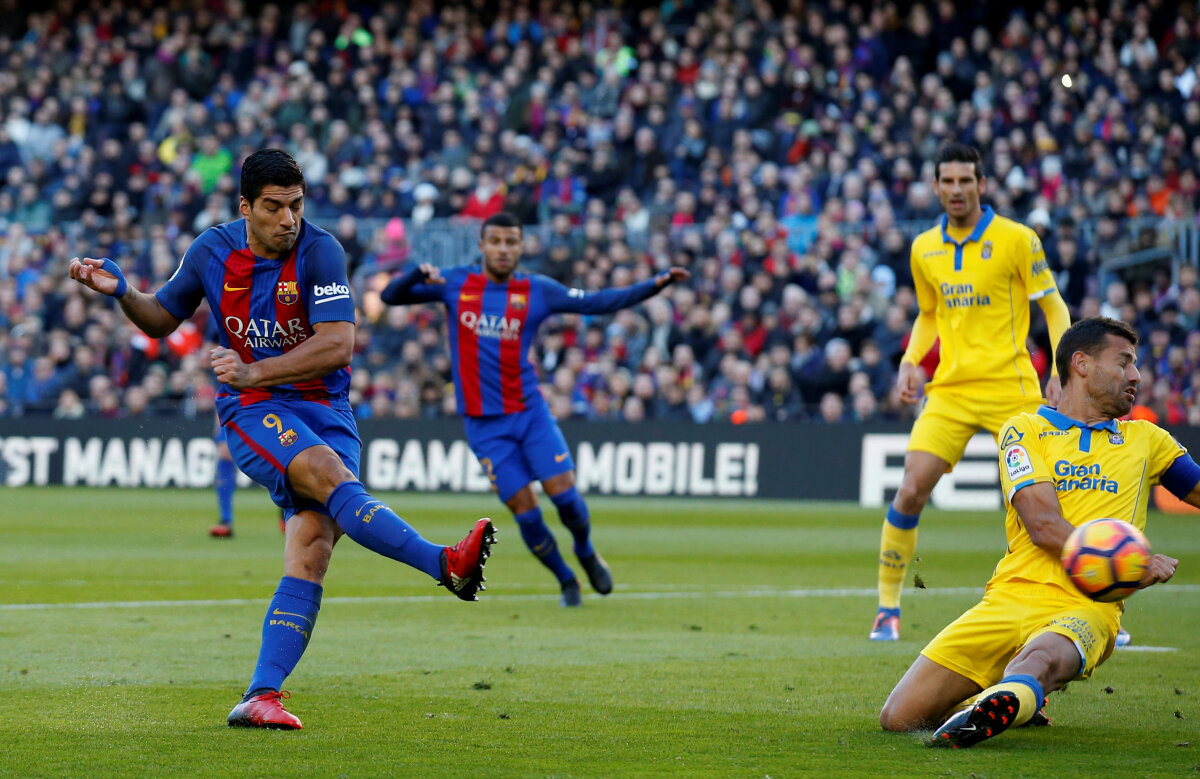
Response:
column 230, row 369
column 1160, row 569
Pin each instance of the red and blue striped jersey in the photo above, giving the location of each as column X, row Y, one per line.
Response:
column 492, row 327
column 264, row 308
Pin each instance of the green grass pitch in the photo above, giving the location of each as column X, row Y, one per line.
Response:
column 734, row 645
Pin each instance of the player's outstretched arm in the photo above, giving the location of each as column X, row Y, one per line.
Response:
column 105, row 276
column 1040, row 512
column 673, row 275
column 330, row 349
column 576, row 301
column 405, row 288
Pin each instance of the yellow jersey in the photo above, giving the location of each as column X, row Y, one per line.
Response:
column 980, row 289
column 1098, row 471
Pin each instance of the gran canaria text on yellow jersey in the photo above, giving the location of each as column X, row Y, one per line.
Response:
column 980, row 287
column 1098, row 471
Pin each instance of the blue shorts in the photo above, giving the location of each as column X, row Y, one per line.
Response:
column 265, row 437
column 516, row 449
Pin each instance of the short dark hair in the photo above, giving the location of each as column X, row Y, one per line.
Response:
column 953, row 151
column 1088, row 336
column 501, row 219
column 270, row 167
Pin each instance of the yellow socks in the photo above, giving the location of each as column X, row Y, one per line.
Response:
column 896, row 548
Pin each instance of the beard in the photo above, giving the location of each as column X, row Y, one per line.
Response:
column 1118, row 404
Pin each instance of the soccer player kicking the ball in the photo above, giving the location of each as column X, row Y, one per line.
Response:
column 1033, row 632
column 282, row 308
column 494, row 314
column 974, row 275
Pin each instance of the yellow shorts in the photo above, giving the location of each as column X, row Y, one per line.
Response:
column 981, row 642
column 949, row 419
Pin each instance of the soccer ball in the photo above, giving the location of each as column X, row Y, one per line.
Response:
column 1106, row 559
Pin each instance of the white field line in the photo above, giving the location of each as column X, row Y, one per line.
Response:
column 758, row 592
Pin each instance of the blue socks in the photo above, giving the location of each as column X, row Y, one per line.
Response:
column 541, row 542
column 225, row 484
column 1032, row 683
column 574, row 515
column 902, row 521
column 373, row 525
column 286, row 631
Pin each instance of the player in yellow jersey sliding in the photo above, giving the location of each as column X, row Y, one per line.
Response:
column 1033, row 632
column 974, row 274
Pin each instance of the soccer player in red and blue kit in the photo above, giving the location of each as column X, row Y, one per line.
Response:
column 494, row 314
column 281, row 303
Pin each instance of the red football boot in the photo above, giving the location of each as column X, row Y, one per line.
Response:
column 462, row 564
column 264, row 711
column 221, row 531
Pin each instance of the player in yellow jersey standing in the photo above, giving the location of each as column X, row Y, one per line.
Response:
column 974, row 274
column 1033, row 632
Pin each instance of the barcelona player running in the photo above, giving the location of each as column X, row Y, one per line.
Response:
column 1033, row 631
column 494, row 314
column 974, row 275
column 285, row 321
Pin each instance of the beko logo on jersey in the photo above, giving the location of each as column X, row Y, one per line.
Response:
column 491, row 326
column 266, row 333
column 330, row 292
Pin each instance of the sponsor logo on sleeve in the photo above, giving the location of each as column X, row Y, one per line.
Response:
column 1010, row 437
column 330, row 292
column 1016, row 461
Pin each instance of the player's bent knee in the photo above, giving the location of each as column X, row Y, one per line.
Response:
column 559, row 483
column 914, row 491
column 890, row 719
column 1051, row 658
column 316, row 472
column 525, row 500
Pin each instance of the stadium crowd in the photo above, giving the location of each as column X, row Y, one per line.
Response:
column 781, row 154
